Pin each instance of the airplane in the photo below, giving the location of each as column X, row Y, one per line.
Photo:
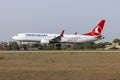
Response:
column 45, row 38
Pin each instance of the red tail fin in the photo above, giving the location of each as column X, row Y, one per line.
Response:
column 97, row 30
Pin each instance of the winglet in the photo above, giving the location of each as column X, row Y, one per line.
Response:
column 97, row 30
column 75, row 33
column 62, row 33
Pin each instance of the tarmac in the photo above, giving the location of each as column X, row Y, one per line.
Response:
column 65, row 51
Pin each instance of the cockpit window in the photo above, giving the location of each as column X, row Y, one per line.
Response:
column 17, row 35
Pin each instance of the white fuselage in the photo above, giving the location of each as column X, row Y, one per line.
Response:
column 45, row 38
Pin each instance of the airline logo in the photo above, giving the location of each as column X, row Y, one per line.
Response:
column 99, row 27
column 36, row 35
column 96, row 31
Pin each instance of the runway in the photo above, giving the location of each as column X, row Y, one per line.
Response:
column 64, row 51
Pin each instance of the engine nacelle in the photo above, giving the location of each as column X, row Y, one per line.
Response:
column 45, row 41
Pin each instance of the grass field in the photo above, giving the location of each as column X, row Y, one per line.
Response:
column 59, row 66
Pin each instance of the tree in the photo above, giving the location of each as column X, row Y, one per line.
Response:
column 13, row 46
column 116, row 41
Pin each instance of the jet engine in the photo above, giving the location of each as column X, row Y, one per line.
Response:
column 45, row 41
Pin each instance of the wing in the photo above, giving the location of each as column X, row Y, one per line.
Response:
column 58, row 38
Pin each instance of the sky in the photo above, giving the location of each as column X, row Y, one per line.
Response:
column 52, row 16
